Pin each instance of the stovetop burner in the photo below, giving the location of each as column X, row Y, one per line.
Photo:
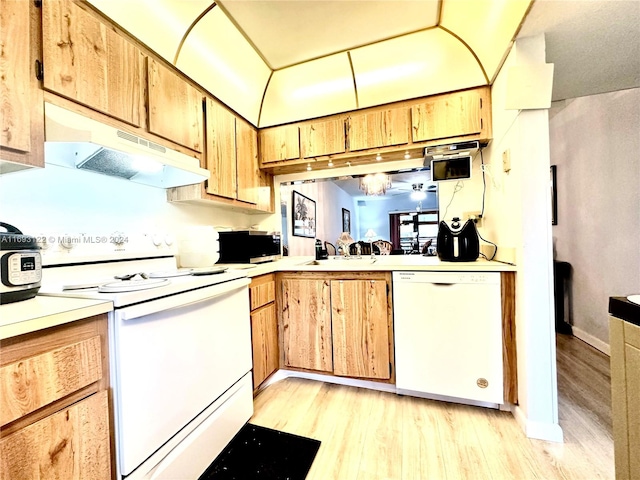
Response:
column 132, row 285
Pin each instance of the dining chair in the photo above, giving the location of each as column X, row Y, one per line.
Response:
column 384, row 246
column 330, row 248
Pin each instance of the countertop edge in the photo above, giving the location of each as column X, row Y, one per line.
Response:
column 622, row 308
column 59, row 315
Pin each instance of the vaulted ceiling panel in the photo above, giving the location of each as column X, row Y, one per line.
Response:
column 220, row 59
column 311, row 89
column 159, row 24
column 289, row 32
column 418, row 64
column 486, row 26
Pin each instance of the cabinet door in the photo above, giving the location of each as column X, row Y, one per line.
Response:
column 322, row 138
column 264, row 341
column 306, row 324
column 247, row 161
column 445, row 116
column 86, row 61
column 279, row 143
column 175, row 107
column 221, row 150
column 71, row 444
column 265, row 193
column 359, row 320
column 379, row 129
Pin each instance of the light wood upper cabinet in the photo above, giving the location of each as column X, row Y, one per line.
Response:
column 379, row 128
column 21, row 105
column 175, row 107
column 15, row 68
column 306, row 323
column 221, row 150
column 446, row 116
column 322, row 138
column 247, row 162
column 86, row 61
column 360, row 328
column 279, row 143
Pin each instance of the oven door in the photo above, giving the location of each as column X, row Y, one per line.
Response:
column 171, row 358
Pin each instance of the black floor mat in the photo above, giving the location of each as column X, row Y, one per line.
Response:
column 259, row 453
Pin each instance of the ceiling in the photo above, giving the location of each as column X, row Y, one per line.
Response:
column 276, row 61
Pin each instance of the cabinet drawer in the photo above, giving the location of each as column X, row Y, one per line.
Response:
column 262, row 291
column 33, row 382
column 72, row 444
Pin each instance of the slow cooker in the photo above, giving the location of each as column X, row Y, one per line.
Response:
column 20, row 265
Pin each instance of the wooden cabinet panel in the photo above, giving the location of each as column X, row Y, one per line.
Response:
column 360, row 328
column 306, row 322
column 379, row 129
column 632, row 358
column 322, row 138
column 279, row 143
column 21, row 102
column 71, row 444
column 221, row 150
column 88, row 62
column 265, row 193
column 262, row 290
column 445, row 116
column 15, row 69
column 175, row 107
column 247, row 161
column 36, row 381
column 264, row 341
column 619, row 398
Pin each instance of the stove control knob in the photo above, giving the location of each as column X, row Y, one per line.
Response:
column 156, row 239
column 168, row 239
column 66, row 242
column 118, row 239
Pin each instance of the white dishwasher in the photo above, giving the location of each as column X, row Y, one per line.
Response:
column 448, row 336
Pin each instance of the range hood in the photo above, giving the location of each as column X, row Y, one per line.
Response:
column 75, row 141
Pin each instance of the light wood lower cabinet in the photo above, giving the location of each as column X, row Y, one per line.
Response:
column 54, row 407
column 338, row 323
column 264, row 328
column 624, row 340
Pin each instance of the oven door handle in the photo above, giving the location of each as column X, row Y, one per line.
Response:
column 185, row 299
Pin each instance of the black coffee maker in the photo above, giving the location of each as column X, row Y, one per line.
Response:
column 456, row 243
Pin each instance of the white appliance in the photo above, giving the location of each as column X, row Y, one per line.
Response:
column 75, row 141
column 448, row 336
column 180, row 358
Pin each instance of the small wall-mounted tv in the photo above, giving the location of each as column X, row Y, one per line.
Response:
column 451, row 168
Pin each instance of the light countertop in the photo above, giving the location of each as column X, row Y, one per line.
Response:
column 383, row 263
column 43, row 312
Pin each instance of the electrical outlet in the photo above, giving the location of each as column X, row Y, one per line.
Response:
column 475, row 216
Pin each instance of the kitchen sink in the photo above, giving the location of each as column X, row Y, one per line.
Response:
column 344, row 261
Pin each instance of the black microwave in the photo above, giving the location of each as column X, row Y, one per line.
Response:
column 249, row 246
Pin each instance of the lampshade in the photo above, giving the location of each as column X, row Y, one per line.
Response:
column 345, row 238
column 375, row 184
column 370, row 234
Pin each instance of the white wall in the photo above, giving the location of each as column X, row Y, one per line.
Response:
column 61, row 200
column 595, row 143
column 518, row 218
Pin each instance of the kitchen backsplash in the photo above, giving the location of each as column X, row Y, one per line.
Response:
column 57, row 199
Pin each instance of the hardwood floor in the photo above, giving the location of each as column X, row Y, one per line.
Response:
column 369, row 435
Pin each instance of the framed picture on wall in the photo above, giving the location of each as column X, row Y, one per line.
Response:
column 554, row 196
column 346, row 220
column 303, row 212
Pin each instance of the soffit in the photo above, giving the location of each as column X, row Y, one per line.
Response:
column 366, row 52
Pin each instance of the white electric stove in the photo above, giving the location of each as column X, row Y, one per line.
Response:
column 179, row 351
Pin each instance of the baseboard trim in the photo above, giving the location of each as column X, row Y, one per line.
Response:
column 350, row 382
column 591, row 340
column 551, row 432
